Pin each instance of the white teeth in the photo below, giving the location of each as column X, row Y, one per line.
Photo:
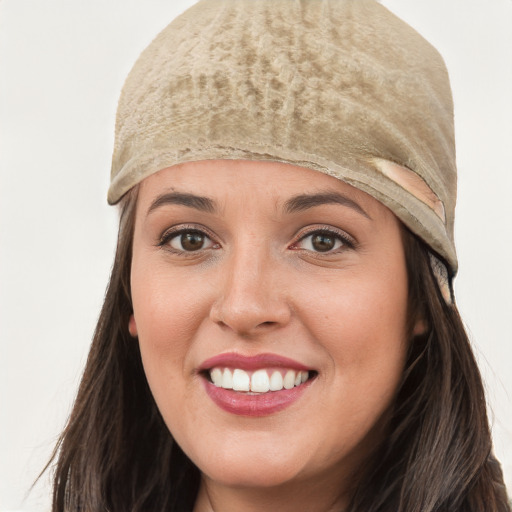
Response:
column 227, row 379
column 276, row 381
column 216, row 376
column 289, row 379
column 260, row 383
column 241, row 380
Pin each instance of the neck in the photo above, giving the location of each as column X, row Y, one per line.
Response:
column 320, row 496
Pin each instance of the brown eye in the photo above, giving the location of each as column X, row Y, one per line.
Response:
column 189, row 241
column 323, row 241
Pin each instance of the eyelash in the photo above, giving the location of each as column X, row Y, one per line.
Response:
column 347, row 242
column 174, row 233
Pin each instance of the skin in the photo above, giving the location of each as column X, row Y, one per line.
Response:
column 259, row 284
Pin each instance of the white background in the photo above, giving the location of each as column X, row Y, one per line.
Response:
column 62, row 65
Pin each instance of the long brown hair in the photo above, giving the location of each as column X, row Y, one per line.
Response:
column 116, row 454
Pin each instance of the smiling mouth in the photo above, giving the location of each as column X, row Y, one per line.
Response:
column 261, row 381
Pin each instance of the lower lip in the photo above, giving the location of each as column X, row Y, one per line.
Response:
column 262, row 404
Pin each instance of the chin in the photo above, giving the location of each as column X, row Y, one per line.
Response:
column 250, row 475
column 254, row 464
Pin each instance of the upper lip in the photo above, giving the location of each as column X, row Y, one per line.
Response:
column 254, row 362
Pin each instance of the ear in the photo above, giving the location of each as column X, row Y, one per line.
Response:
column 132, row 327
column 420, row 327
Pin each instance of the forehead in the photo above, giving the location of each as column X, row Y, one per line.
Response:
column 243, row 181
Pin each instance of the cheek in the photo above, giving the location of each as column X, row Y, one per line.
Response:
column 362, row 327
column 166, row 315
column 165, row 322
column 359, row 312
column 166, row 309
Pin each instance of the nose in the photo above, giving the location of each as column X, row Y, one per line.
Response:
column 250, row 299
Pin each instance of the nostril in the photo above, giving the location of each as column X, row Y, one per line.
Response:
column 245, row 315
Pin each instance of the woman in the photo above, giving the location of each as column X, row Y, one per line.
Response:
column 279, row 331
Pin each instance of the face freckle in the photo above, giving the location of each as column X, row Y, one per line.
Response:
column 263, row 299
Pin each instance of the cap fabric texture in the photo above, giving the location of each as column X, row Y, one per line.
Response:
column 343, row 87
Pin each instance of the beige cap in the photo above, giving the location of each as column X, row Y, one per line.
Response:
column 343, row 87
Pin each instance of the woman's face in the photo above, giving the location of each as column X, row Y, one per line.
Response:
column 259, row 276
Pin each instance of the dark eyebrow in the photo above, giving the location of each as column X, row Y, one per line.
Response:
column 305, row 201
column 204, row 204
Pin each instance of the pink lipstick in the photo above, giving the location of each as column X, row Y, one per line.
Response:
column 255, row 385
